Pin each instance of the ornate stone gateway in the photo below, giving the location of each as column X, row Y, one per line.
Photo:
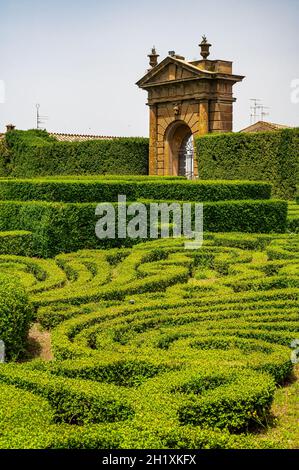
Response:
column 186, row 99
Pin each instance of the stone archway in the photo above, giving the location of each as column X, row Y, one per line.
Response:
column 198, row 93
column 178, row 144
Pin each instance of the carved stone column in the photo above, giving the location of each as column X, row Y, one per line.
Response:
column 203, row 124
column 153, row 140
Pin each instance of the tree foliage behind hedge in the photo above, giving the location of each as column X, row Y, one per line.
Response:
column 268, row 156
column 36, row 153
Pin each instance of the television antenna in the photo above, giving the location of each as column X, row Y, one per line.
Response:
column 263, row 113
column 257, row 110
column 39, row 119
column 254, row 109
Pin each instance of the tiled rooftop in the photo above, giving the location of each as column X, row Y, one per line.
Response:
column 63, row 137
column 79, row 137
column 261, row 126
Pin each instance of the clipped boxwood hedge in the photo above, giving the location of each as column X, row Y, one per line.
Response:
column 18, row 242
column 207, row 336
column 293, row 216
column 269, row 156
column 107, row 191
column 36, row 153
column 64, row 227
column 15, row 315
column 231, row 406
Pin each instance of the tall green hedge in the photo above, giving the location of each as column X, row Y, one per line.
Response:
column 108, row 190
column 5, row 158
column 268, row 156
column 36, row 153
column 65, row 227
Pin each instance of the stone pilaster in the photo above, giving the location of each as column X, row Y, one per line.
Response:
column 153, row 140
column 221, row 116
column 203, row 122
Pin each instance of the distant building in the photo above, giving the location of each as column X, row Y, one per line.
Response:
column 263, row 126
column 79, row 137
column 63, row 137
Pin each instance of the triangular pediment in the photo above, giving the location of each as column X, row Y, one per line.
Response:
column 169, row 70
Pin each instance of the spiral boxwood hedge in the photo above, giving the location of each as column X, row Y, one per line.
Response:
column 268, row 156
column 36, row 153
column 155, row 346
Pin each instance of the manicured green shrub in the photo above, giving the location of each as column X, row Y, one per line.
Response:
column 4, row 158
column 108, row 191
column 293, row 216
column 74, row 402
column 18, row 407
column 45, row 273
column 242, row 240
column 149, row 353
column 281, row 249
column 66, row 227
column 34, row 137
column 111, row 177
column 245, row 216
column 35, row 153
column 293, row 224
column 15, row 316
column 232, row 406
column 86, row 437
column 268, row 156
column 18, row 242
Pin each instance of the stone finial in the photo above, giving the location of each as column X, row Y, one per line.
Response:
column 153, row 57
column 204, row 48
column 10, row 127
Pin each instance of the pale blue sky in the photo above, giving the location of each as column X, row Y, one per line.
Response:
column 80, row 59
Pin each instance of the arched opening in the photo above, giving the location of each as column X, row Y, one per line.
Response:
column 186, row 157
column 179, row 150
